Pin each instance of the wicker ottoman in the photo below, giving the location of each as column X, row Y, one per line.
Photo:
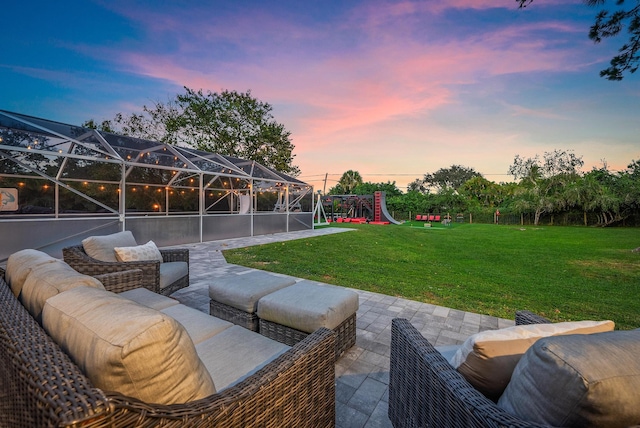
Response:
column 234, row 298
column 290, row 314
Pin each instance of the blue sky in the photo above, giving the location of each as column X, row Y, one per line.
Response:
column 392, row 89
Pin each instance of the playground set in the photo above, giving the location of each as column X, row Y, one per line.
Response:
column 371, row 209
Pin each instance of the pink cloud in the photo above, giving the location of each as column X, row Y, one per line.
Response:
column 375, row 94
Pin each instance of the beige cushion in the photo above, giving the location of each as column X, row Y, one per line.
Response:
column 488, row 358
column 236, row 353
column 49, row 279
column 126, row 347
column 148, row 298
column 170, row 272
column 199, row 325
column 146, row 252
column 243, row 291
column 102, row 247
column 578, row 381
column 19, row 266
column 307, row 306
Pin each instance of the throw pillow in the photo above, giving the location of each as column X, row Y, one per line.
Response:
column 488, row 358
column 126, row 347
column 578, row 381
column 146, row 252
column 101, row 247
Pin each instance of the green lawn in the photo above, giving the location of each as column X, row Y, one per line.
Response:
column 564, row 273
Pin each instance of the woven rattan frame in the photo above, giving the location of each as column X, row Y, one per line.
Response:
column 426, row 391
column 345, row 334
column 234, row 315
column 40, row 386
column 78, row 259
column 117, row 282
column 528, row 317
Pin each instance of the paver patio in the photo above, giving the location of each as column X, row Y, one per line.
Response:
column 362, row 373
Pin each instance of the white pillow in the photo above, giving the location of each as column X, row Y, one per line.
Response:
column 145, row 252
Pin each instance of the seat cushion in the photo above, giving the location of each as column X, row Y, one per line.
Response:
column 243, row 291
column 448, row 351
column 199, row 325
column 20, row 265
column 47, row 280
column 170, row 272
column 149, row 299
column 236, row 353
column 488, row 358
column 578, row 380
column 126, row 347
column 145, row 252
column 102, row 247
column 307, row 306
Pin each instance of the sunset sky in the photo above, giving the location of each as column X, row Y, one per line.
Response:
column 392, row 89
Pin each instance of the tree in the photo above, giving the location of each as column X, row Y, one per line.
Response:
column 610, row 24
column 449, row 200
column 450, row 178
column 105, row 125
column 411, row 202
column 369, row 188
column 229, row 123
column 593, row 193
column 543, row 182
column 347, row 183
column 417, row 185
column 621, row 193
column 482, row 193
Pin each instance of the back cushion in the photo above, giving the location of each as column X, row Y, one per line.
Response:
column 102, row 247
column 47, row 280
column 488, row 358
column 578, row 381
column 19, row 266
column 126, row 347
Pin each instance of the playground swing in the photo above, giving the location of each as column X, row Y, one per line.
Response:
column 319, row 215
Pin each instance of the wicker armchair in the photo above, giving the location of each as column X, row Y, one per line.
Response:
column 79, row 260
column 40, row 386
column 425, row 391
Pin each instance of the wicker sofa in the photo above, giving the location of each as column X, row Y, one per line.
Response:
column 152, row 271
column 40, row 384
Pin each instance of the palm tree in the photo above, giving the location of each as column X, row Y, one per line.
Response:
column 350, row 180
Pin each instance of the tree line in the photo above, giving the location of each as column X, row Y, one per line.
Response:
column 548, row 187
column 230, row 123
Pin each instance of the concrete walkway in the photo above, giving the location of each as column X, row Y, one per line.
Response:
column 362, row 373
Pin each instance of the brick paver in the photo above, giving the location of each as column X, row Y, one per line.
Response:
column 362, row 373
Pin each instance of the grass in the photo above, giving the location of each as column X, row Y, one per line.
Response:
column 563, row 273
